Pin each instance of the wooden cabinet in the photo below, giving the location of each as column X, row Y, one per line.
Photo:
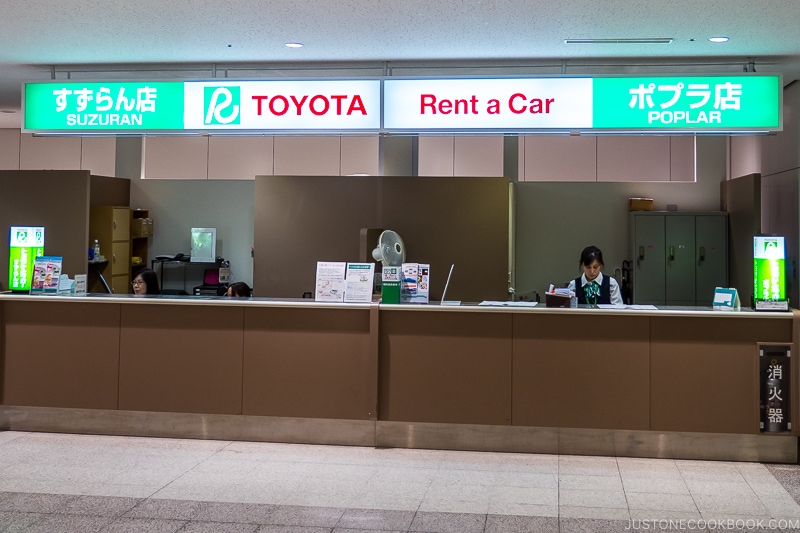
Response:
column 111, row 226
column 141, row 231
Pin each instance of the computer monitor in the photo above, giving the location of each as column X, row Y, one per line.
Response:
column 204, row 245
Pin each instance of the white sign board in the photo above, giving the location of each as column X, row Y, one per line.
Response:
column 283, row 105
column 477, row 104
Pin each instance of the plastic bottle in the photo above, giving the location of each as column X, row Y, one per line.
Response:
column 96, row 250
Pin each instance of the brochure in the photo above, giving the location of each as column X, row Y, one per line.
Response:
column 415, row 286
column 359, row 282
column 330, row 282
column 46, row 275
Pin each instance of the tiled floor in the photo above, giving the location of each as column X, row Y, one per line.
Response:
column 53, row 483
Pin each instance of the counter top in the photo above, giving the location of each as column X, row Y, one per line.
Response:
column 467, row 307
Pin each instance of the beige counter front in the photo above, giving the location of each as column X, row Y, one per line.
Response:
column 666, row 383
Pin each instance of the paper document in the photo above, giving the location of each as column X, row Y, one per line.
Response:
column 330, row 281
column 623, row 306
column 359, row 282
column 509, row 304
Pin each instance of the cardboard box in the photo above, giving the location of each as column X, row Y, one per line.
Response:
column 141, row 227
column 640, row 204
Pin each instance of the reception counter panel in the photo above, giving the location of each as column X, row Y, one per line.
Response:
column 581, row 371
column 180, row 359
column 661, row 383
column 445, row 367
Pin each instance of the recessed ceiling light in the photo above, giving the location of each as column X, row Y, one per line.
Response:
column 720, row 39
column 635, row 40
column 293, row 45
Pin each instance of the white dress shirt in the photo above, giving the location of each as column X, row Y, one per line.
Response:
column 616, row 295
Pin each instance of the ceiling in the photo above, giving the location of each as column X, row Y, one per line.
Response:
column 176, row 39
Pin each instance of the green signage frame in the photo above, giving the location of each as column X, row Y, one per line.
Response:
column 657, row 104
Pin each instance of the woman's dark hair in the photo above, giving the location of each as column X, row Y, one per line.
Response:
column 150, row 278
column 589, row 254
column 240, row 289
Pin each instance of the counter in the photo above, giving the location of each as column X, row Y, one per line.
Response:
column 680, row 382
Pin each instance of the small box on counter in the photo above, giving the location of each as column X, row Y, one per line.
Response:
column 556, row 299
column 640, row 204
column 390, row 284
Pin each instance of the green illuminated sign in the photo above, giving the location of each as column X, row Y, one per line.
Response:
column 25, row 245
column 687, row 102
column 769, row 268
column 117, row 106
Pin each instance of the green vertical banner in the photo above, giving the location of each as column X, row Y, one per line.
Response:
column 769, row 268
column 729, row 103
column 106, row 106
column 25, row 245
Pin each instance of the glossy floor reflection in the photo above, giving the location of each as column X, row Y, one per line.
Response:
column 79, row 483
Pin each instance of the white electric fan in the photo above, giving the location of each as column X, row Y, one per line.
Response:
column 390, row 250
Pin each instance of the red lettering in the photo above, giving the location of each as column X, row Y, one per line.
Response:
column 547, row 104
column 299, row 105
column 324, row 109
column 318, row 105
column 338, row 98
column 446, row 107
column 259, row 99
column 272, row 105
column 427, row 100
column 511, row 103
column 459, row 104
column 357, row 105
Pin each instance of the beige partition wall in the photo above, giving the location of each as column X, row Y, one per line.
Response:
column 300, row 220
column 59, row 200
column 741, row 198
column 55, row 199
column 461, row 221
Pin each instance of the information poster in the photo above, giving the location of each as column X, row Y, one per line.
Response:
column 359, row 282
column 46, row 275
column 415, row 286
column 25, row 245
column 330, row 282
